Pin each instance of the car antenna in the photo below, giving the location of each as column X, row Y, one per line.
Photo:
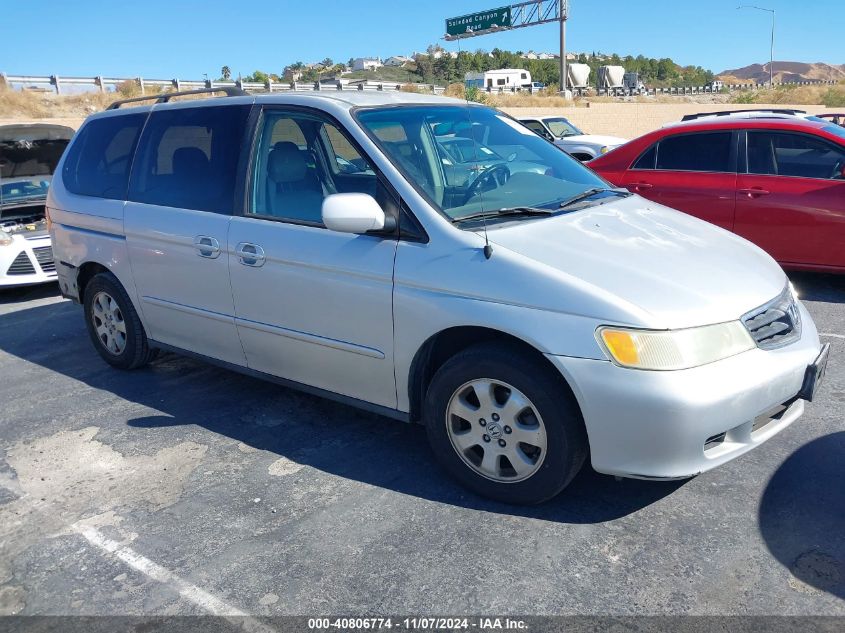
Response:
column 488, row 249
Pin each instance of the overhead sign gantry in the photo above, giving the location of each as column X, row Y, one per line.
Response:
column 515, row 16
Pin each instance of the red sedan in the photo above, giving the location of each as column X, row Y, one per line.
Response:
column 777, row 181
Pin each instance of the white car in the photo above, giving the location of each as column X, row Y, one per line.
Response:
column 561, row 131
column 529, row 319
column 28, row 156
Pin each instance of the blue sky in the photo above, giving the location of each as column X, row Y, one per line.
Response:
column 186, row 38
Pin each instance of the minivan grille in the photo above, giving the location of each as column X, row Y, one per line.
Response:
column 21, row 266
column 775, row 324
column 44, row 255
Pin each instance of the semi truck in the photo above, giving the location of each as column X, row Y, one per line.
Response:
column 633, row 84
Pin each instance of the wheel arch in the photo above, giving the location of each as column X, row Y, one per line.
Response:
column 86, row 273
column 443, row 345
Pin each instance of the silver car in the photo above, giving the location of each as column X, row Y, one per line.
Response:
column 531, row 320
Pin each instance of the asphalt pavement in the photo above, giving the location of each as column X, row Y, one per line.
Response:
column 186, row 489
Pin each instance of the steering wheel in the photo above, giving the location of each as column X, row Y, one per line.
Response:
column 494, row 175
column 838, row 170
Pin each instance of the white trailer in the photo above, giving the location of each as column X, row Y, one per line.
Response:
column 610, row 80
column 578, row 77
column 504, row 78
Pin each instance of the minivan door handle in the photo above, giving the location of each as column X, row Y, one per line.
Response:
column 250, row 254
column 639, row 186
column 753, row 192
column 207, row 246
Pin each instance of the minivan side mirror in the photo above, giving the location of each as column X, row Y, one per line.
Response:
column 352, row 213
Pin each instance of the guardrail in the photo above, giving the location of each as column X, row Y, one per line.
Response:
column 105, row 83
column 620, row 91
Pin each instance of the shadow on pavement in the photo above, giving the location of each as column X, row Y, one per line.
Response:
column 28, row 293
column 819, row 287
column 309, row 430
column 802, row 514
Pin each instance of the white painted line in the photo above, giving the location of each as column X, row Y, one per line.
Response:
column 832, row 335
column 187, row 590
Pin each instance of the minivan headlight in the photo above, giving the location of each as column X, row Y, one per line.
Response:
column 5, row 238
column 675, row 349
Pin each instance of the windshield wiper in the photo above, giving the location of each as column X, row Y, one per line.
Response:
column 589, row 193
column 503, row 212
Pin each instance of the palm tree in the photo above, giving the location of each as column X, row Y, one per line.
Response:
column 226, row 72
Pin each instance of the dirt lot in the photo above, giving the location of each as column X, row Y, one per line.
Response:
column 187, row 489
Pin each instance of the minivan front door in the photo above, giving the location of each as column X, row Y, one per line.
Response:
column 176, row 222
column 312, row 306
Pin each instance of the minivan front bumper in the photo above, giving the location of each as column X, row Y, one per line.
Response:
column 677, row 424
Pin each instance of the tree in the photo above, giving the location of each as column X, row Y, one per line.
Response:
column 327, row 62
column 226, row 73
column 258, row 77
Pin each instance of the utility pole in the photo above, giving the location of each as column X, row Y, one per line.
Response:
column 772, row 47
column 564, row 14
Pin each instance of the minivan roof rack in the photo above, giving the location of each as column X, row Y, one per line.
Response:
column 230, row 91
column 698, row 115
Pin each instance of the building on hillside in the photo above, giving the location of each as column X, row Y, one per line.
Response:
column 366, row 63
column 529, row 55
column 502, row 78
column 397, row 61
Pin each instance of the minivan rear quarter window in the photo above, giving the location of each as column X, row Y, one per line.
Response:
column 188, row 158
column 710, row 151
column 98, row 161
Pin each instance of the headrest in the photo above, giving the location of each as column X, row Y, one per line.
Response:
column 187, row 160
column 286, row 163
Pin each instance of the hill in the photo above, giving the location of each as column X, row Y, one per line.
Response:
column 784, row 72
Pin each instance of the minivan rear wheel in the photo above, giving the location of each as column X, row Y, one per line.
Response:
column 504, row 425
column 113, row 324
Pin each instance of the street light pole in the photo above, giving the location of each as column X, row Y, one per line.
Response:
column 772, row 48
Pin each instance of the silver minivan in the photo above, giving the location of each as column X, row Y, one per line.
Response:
column 529, row 317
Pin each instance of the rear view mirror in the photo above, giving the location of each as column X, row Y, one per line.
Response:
column 352, row 213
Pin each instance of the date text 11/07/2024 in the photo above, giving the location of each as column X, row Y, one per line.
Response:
column 418, row 624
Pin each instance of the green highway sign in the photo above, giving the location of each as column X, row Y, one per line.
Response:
column 481, row 21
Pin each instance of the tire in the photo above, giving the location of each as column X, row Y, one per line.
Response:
column 113, row 324
column 555, row 440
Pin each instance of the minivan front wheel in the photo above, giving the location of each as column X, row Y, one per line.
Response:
column 504, row 425
column 113, row 324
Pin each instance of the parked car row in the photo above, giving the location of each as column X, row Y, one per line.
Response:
column 776, row 179
column 774, row 176
column 435, row 260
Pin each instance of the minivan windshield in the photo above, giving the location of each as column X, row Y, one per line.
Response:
column 470, row 160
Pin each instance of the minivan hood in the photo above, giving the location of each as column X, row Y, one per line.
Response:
column 671, row 269
column 593, row 139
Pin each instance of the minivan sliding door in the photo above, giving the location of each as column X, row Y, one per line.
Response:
column 181, row 197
